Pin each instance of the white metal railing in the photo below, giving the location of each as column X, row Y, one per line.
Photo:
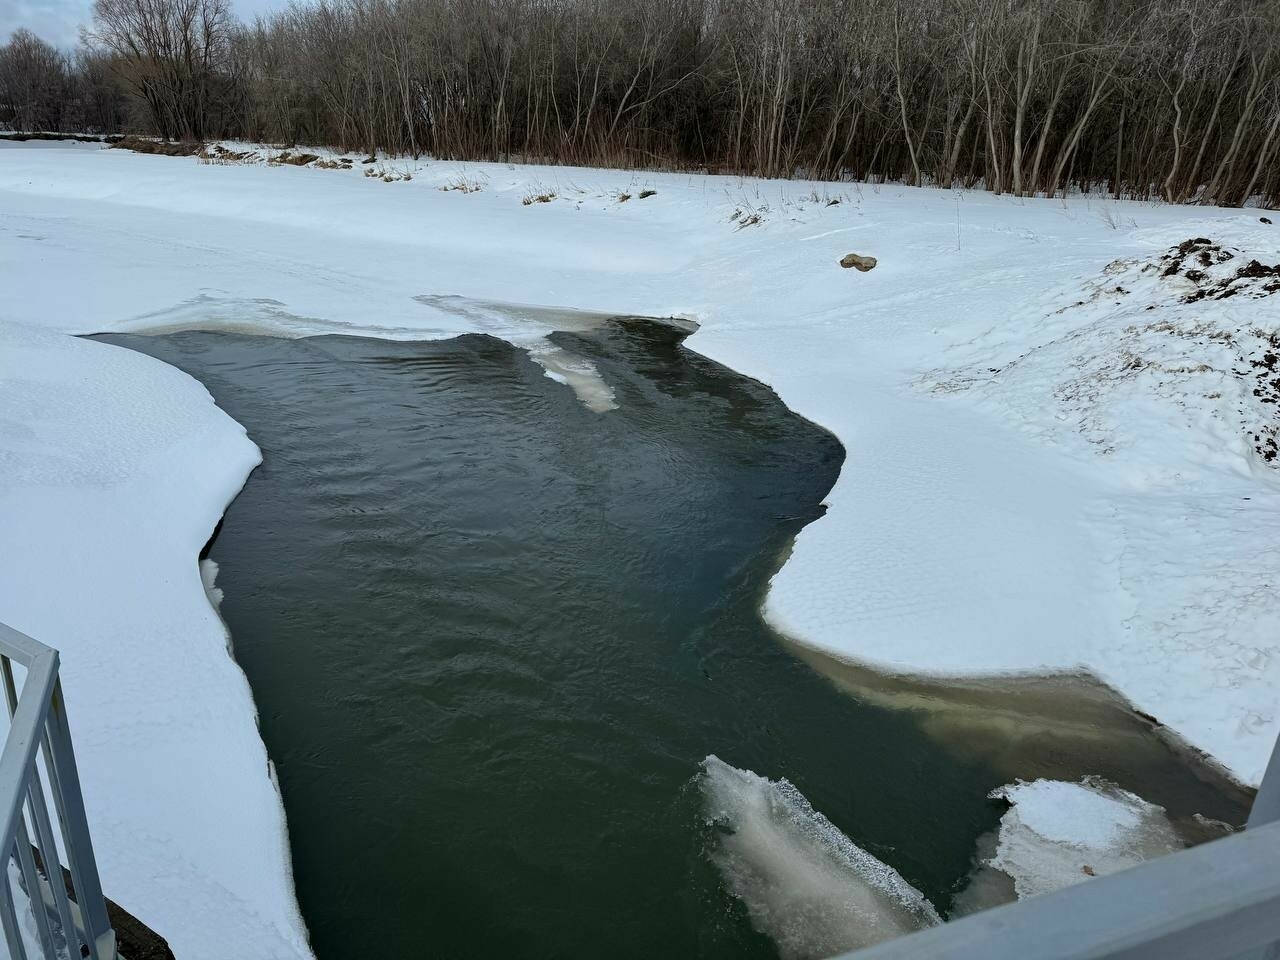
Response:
column 1217, row 901
column 70, row 920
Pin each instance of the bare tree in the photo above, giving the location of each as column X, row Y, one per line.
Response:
column 172, row 54
column 1138, row 97
column 34, row 83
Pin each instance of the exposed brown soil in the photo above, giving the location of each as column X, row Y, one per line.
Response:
column 168, row 148
column 217, row 153
column 294, row 159
column 1267, row 390
column 1192, row 257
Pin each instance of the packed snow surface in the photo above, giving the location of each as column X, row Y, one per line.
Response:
column 805, row 884
column 1057, row 444
column 1056, row 834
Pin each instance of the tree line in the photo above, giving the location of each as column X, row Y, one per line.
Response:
column 1146, row 98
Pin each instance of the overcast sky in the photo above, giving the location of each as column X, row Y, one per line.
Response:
column 58, row 21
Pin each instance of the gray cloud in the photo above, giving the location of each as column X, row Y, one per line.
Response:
column 58, row 21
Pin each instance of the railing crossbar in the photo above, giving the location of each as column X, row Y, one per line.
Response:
column 20, row 747
column 9, row 922
column 35, row 890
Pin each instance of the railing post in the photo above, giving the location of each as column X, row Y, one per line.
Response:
column 65, row 782
column 1266, row 805
column 26, row 861
column 9, row 921
column 1266, row 809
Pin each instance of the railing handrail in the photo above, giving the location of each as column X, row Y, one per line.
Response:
column 1216, row 901
column 38, row 730
column 1211, row 902
column 18, row 646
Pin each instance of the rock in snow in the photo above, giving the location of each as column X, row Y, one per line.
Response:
column 858, row 262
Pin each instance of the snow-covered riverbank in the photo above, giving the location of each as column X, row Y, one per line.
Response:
column 116, row 469
column 1051, row 461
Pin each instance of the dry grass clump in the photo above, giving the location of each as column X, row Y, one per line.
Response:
column 463, row 184
column 532, row 198
column 387, row 175
column 218, row 154
column 748, row 217
column 292, row 159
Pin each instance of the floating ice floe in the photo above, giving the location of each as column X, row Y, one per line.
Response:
column 1056, row 834
column 805, row 884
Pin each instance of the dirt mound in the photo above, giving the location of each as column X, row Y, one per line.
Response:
column 293, row 159
column 168, row 148
column 1193, row 259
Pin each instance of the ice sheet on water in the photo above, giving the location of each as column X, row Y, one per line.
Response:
column 529, row 327
column 526, row 326
column 804, row 883
column 574, row 371
column 502, row 318
column 209, row 577
column 1058, row 833
column 224, row 313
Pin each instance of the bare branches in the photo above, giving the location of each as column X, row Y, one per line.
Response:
column 1140, row 97
column 34, row 83
column 173, row 54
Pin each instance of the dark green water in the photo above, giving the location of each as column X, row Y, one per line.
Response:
column 491, row 634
